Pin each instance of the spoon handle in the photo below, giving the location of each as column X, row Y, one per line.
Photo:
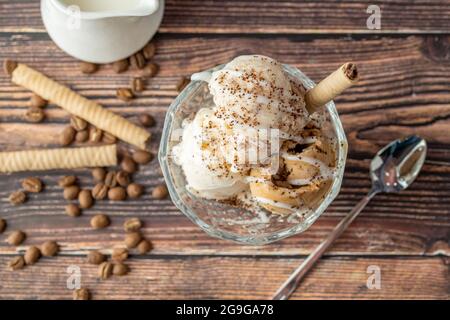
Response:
column 285, row 291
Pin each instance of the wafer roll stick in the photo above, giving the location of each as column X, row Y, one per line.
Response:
column 61, row 158
column 80, row 106
column 331, row 87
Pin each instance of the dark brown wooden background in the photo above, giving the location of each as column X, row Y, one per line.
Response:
column 405, row 89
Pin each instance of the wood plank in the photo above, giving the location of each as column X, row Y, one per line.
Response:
column 404, row 89
column 264, row 16
column 217, row 278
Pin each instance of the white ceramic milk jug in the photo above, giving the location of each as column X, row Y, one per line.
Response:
column 101, row 31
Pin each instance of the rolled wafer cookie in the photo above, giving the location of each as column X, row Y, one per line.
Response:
column 61, row 158
column 79, row 106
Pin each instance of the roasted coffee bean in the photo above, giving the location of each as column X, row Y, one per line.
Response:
column 9, row 66
column 142, row 157
column 128, row 165
column 16, row 238
column 144, row 246
column 182, row 83
column 132, row 239
column 32, row 255
column 120, row 269
column 37, row 101
column 67, row 136
column 98, row 174
column 132, row 225
column 123, row 178
column 150, row 70
column 121, row 66
column 105, row 270
column 117, row 194
column 119, row 254
column 2, row 225
column 16, row 263
column 108, row 138
column 71, row 192
column 32, row 184
column 49, row 249
column 73, row 210
column 100, row 221
column 138, row 60
column 82, row 136
column 77, row 123
column 85, row 199
column 149, row 50
column 34, row 115
column 88, row 68
column 137, row 85
column 17, row 197
column 134, row 190
column 67, row 181
column 95, row 134
column 96, row 257
column 160, row 192
column 100, row 191
column 81, row 294
column 124, row 94
column 110, row 179
column 146, row 120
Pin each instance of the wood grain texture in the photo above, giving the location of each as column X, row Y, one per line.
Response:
column 300, row 17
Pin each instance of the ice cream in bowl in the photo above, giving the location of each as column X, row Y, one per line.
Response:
column 253, row 151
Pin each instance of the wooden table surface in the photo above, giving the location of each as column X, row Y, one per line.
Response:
column 405, row 89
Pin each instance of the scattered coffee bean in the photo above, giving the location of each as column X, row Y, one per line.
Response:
column 137, row 60
column 17, row 197
column 67, row 181
column 182, row 83
column 100, row 191
column 32, row 184
column 150, row 70
column 85, row 199
column 96, row 257
column 120, row 269
column 73, row 210
column 128, row 165
column 77, row 123
column 82, row 136
column 95, row 134
column 132, row 239
column 67, row 136
column 119, row 254
column 81, row 294
column 9, row 66
column 108, row 138
column 123, row 178
column 49, row 249
column 100, row 221
column 71, row 192
column 142, row 157
column 88, row 68
column 110, row 179
column 121, row 66
column 32, row 255
column 124, row 94
column 149, row 50
column 105, row 270
column 2, row 225
column 132, row 225
column 135, row 190
column 146, row 120
column 117, row 194
column 37, row 101
column 34, row 115
column 144, row 246
column 160, row 192
column 137, row 85
column 16, row 238
column 98, row 174
column 16, row 263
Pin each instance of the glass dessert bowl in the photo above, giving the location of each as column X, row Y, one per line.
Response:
column 234, row 218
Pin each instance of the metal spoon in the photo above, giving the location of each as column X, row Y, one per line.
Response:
column 393, row 169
